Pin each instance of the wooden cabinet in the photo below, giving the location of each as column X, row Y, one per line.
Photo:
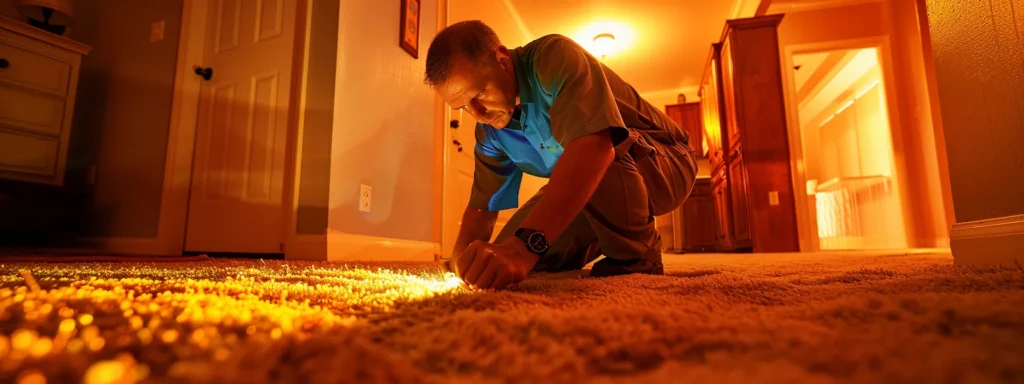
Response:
column 38, row 79
column 723, row 217
column 688, row 116
column 744, row 119
column 698, row 218
column 738, row 195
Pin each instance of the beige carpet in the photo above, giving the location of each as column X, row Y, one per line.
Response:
column 727, row 318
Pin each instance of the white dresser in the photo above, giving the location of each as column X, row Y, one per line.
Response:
column 38, row 79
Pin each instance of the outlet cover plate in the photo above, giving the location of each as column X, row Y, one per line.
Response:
column 365, row 195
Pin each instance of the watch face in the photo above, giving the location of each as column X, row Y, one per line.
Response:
column 537, row 242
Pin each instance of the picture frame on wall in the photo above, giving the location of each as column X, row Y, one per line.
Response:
column 409, row 31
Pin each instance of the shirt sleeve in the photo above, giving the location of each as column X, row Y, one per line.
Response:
column 496, row 178
column 583, row 99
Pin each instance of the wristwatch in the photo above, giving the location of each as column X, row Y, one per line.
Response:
column 535, row 241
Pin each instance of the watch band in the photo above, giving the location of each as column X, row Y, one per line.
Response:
column 535, row 241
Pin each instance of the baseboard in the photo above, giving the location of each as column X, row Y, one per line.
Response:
column 127, row 245
column 990, row 241
column 350, row 247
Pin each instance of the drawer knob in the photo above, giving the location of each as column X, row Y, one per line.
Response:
column 4, row 63
column 206, row 73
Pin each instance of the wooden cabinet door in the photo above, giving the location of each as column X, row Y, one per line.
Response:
column 699, row 218
column 729, row 79
column 739, row 191
column 723, row 217
column 711, row 115
column 688, row 116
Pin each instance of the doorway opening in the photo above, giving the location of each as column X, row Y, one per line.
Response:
column 845, row 131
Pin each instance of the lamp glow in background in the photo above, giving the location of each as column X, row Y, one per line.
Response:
column 605, row 38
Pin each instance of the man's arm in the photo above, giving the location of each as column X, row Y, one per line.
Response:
column 584, row 118
column 574, row 179
column 477, row 225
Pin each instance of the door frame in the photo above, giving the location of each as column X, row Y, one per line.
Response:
column 182, row 133
column 807, row 228
column 444, row 115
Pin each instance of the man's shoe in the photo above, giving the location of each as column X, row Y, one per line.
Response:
column 607, row 267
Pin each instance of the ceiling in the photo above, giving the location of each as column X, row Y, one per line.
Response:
column 670, row 39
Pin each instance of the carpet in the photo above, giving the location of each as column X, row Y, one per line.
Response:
column 830, row 318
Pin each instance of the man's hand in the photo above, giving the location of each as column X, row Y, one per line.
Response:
column 495, row 266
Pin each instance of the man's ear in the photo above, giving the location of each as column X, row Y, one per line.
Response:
column 503, row 56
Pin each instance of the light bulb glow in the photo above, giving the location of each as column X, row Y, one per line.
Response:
column 604, row 44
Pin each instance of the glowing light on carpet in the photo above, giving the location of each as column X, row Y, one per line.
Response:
column 94, row 313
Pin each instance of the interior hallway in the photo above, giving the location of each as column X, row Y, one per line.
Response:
column 123, row 187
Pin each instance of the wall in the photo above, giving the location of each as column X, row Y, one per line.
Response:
column 855, row 142
column 314, row 176
column 925, row 146
column 916, row 156
column 670, row 97
column 843, row 23
column 123, row 110
column 383, row 126
column 979, row 65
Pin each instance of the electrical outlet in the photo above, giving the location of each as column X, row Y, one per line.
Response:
column 156, row 31
column 773, row 198
column 365, row 193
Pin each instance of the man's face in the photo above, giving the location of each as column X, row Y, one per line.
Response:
column 486, row 89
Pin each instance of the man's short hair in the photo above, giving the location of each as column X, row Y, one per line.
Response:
column 472, row 39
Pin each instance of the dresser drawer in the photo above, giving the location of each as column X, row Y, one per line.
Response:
column 29, row 110
column 33, row 70
column 28, row 153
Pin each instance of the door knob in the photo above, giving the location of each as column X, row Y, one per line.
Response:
column 4, row 63
column 206, row 73
column 454, row 124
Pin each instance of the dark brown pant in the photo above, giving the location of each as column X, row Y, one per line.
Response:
column 646, row 179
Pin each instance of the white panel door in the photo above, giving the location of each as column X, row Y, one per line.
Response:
column 459, row 176
column 235, row 202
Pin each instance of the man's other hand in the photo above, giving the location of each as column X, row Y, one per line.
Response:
column 485, row 265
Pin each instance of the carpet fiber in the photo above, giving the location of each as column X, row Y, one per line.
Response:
column 727, row 318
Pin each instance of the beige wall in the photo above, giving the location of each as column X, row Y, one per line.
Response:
column 854, row 143
column 314, row 177
column 915, row 141
column 384, row 125
column 852, row 22
column 123, row 110
column 979, row 65
column 924, row 144
column 671, row 97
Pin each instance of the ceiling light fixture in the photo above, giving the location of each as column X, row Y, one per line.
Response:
column 604, row 44
column 605, row 38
